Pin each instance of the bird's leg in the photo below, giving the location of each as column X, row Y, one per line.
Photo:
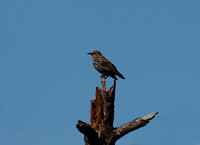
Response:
column 103, row 76
column 103, row 81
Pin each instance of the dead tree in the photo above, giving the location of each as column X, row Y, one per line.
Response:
column 100, row 131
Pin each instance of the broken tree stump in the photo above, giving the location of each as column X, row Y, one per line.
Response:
column 100, row 131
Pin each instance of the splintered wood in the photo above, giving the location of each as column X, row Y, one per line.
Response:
column 96, row 110
column 103, row 81
column 100, row 131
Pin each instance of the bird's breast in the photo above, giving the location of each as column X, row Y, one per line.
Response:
column 98, row 66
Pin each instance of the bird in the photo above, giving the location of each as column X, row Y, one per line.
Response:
column 104, row 66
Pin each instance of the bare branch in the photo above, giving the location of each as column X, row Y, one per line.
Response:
column 91, row 136
column 85, row 128
column 132, row 125
column 149, row 116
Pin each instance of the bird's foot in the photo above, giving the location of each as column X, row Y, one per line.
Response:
column 103, row 76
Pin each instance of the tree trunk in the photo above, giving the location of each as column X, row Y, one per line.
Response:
column 100, row 131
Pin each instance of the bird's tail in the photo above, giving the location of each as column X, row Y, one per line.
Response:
column 121, row 76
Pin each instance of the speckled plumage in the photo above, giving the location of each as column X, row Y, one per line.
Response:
column 104, row 66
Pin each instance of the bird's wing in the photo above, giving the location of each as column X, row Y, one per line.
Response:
column 107, row 63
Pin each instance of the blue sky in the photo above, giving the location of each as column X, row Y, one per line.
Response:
column 47, row 80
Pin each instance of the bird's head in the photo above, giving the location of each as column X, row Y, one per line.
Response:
column 95, row 52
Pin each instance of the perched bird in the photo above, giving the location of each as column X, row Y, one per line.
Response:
column 104, row 66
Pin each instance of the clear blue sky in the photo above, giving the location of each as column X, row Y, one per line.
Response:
column 47, row 80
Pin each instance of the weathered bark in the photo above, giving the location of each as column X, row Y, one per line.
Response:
column 132, row 125
column 100, row 131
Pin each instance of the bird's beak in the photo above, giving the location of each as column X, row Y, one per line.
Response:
column 89, row 53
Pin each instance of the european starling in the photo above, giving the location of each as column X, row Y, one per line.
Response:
column 104, row 66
